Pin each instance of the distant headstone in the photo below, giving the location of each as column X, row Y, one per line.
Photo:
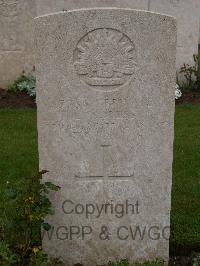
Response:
column 187, row 14
column 105, row 97
column 15, row 39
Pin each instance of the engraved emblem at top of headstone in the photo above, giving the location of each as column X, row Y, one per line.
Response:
column 105, row 58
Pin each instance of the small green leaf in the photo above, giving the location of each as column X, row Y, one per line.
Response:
column 46, row 226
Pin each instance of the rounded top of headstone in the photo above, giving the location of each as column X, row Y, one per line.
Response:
column 106, row 51
column 99, row 9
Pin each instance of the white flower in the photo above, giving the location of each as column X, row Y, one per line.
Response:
column 177, row 87
column 178, row 93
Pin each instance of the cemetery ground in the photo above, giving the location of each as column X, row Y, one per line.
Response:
column 19, row 161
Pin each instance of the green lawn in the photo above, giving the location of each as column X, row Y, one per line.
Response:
column 19, row 159
column 18, row 155
column 185, row 216
column 18, row 144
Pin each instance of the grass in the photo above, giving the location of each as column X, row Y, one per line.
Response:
column 18, row 152
column 18, row 143
column 185, row 217
column 19, row 158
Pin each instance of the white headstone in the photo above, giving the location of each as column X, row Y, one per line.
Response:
column 105, row 97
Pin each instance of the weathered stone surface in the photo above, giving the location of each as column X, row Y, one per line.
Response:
column 187, row 15
column 49, row 6
column 105, row 99
column 16, row 39
column 75, row 4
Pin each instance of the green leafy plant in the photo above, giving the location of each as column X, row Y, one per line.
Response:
column 7, row 257
column 25, row 83
column 41, row 259
column 22, row 237
column 191, row 75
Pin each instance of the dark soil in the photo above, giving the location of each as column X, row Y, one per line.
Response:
column 180, row 261
column 183, row 255
column 192, row 97
column 9, row 99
